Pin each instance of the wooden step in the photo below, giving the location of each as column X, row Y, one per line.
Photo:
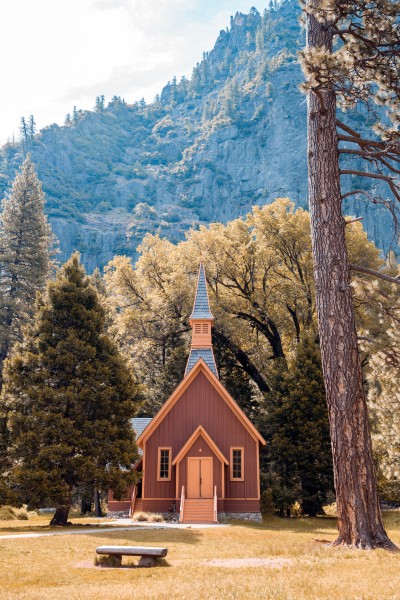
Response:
column 198, row 510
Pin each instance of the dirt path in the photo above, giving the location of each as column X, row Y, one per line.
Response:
column 107, row 529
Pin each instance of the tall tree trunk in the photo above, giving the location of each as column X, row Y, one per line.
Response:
column 359, row 516
column 97, row 506
column 60, row 517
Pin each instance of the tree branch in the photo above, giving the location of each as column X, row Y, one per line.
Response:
column 375, row 274
column 389, row 180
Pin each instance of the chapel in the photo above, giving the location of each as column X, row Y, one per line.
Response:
column 200, row 452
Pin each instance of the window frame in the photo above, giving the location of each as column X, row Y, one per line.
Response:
column 159, row 478
column 241, row 478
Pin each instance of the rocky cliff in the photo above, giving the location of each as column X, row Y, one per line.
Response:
column 207, row 149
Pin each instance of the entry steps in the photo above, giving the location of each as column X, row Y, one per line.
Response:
column 198, row 510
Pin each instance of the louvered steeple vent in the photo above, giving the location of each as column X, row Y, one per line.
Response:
column 201, row 321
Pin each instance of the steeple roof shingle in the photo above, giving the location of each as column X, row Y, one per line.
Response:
column 201, row 307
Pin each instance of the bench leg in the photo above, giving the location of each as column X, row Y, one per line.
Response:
column 147, row 561
column 114, row 560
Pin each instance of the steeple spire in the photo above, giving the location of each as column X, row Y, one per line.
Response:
column 201, row 306
column 201, row 321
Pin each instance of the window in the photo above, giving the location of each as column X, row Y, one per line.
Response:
column 197, row 328
column 164, row 464
column 205, row 328
column 237, row 466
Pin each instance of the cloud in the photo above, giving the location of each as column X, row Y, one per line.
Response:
column 61, row 54
column 124, row 80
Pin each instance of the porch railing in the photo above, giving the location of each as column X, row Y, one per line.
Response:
column 182, row 506
column 215, row 515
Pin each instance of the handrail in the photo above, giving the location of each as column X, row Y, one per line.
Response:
column 133, row 500
column 215, row 505
column 182, row 505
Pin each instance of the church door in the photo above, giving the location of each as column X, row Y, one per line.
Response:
column 199, row 477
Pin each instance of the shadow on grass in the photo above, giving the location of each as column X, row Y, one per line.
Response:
column 153, row 536
column 293, row 524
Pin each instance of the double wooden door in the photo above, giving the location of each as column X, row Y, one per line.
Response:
column 199, row 477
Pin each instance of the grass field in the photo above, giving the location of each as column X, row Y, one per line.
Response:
column 62, row 567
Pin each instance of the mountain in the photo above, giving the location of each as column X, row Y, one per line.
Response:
column 207, row 149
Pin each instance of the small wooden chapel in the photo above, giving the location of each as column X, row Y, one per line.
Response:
column 200, row 453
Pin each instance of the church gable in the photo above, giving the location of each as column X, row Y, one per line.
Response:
column 200, row 399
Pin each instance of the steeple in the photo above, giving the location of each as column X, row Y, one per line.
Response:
column 201, row 321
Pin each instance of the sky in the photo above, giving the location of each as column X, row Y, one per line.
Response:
column 57, row 54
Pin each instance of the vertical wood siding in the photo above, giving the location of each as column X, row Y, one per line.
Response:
column 200, row 404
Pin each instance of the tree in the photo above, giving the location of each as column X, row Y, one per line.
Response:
column 26, row 250
column 69, row 399
column 261, row 287
column 382, row 373
column 24, row 130
column 100, row 103
column 295, row 423
column 32, row 126
column 351, row 56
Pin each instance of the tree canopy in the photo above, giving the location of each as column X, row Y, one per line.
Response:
column 69, row 398
column 26, row 251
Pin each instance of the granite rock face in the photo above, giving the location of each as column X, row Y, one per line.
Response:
column 205, row 150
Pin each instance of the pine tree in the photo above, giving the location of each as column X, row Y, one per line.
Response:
column 298, row 460
column 32, row 126
column 24, row 130
column 69, row 399
column 351, row 59
column 26, row 250
column 278, row 459
column 309, row 418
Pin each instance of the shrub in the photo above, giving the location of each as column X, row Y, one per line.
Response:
column 6, row 513
column 149, row 517
column 10, row 513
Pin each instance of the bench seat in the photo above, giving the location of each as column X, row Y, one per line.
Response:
column 132, row 551
column 148, row 555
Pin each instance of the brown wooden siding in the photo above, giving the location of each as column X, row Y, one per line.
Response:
column 157, row 505
column 241, row 505
column 201, row 404
column 115, row 506
column 201, row 449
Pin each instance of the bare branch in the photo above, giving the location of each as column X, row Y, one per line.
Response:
column 374, row 273
column 363, row 192
column 389, row 180
column 347, row 129
column 353, row 220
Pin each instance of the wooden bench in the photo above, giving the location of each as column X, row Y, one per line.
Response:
column 148, row 555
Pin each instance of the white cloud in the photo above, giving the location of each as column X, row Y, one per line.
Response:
column 60, row 53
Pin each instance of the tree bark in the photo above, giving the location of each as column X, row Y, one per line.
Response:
column 97, row 505
column 60, row 517
column 359, row 517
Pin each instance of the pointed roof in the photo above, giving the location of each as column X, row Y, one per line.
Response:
column 206, row 354
column 200, row 431
column 201, row 307
column 200, row 366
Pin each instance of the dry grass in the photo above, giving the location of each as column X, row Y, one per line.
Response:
column 61, row 567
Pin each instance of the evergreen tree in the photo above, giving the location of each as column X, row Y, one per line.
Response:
column 4, row 459
column 298, row 460
column 309, row 418
column 350, row 59
column 69, row 399
column 32, row 126
column 24, row 130
column 26, row 249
